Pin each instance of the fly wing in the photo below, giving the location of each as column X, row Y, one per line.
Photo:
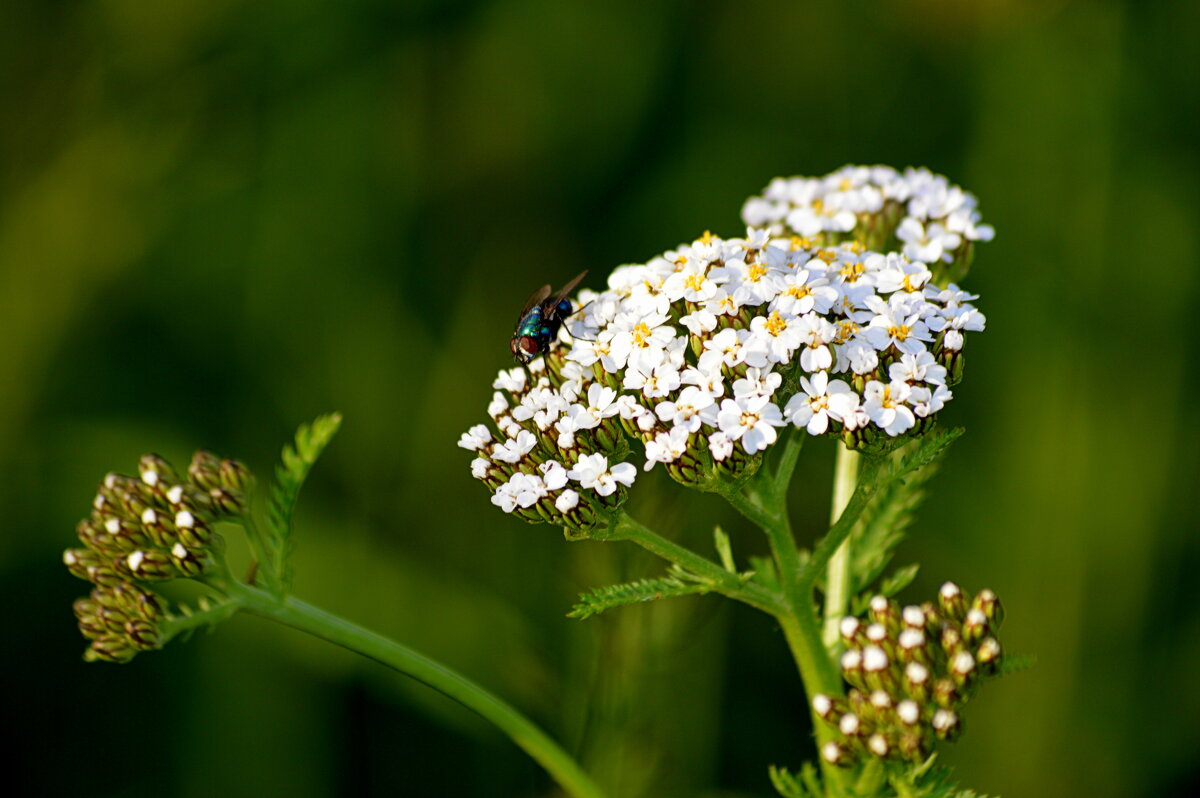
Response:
column 536, row 298
column 551, row 303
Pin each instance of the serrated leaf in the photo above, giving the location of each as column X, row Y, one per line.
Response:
column 297, row 460
column 600, row 599
column 806, row 785
column 930, row 447
column 1015, row 663
column 724, row 549
column 887, row 518
column 764, row 572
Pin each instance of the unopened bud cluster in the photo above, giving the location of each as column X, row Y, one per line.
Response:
column 843, row 326
column 909, row 671
column 145, row 529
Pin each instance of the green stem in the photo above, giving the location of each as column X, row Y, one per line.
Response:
column 793, row 440
column 863, row 493
column 522, row 731
column 724, row 582
column 838, row 578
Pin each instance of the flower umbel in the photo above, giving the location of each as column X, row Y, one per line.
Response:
column 152, row 528
column 700, row 354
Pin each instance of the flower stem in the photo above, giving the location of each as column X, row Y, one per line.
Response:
column 724, row 582
column 522, row 731
column 839, row 579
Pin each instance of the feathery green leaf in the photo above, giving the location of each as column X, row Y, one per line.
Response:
column 296, row 461
column 600, row 599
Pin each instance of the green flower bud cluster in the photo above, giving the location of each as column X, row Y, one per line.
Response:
column 910, row 671
column 150, row 528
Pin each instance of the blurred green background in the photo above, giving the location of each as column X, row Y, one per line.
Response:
column 219, row 218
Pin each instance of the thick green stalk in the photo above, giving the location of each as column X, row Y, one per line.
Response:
column 725, row 582
column 863, row 493
column 522, row 731
column 839, row 581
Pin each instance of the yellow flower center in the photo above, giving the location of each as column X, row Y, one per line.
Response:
column 775, row 323
column 857, row 247
column 680, row 262
column 801, row 242
column 908, row 285
column 827, row 255
column 852, row 271
column 749, row 419
column 756, row 272
column 641, row 335
column 695, row 281
column 818, row 206
column 707, row 237
column 799, row 291
column 900, row 331
column 845, row 185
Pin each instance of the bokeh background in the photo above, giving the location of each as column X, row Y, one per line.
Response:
column 219, row 218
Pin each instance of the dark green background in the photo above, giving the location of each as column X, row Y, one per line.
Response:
column 220, row 218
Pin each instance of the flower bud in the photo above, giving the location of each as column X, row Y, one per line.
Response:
column 110, row 648
column 975, row 626
column 151, row 565
column 946, row 724
column 80, row 562
column 235, row 476
column 205, row 470
column 988, row 655
column 156, row 472
column 952, row 601
column 987, row 603
column 189, row 563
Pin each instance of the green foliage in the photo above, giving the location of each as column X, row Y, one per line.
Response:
column 677, row 583
column 1015, row 663
column 887, row 518
column 806, row 784
column 724, row 549
column 296, row 461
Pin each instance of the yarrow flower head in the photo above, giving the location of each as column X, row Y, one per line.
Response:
column 143, row 530
column 909, row 672
column 833, row 313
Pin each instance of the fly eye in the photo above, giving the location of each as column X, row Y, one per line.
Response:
column 528, row 344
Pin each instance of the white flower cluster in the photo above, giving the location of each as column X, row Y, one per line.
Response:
column 931, row 218
column 705, row 351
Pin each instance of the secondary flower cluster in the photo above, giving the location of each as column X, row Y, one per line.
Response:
column 910, row 671
column 151, row 528
column 932, row 220
column 703, row 353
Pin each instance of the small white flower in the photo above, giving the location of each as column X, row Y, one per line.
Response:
column 514, row 449
column 757, row 382
column 719, row 446
column 804, row 291
column 566, row 501
column 593, row 472
column 885, row 405
column 480, row 468
column 476, row 438
column 511, row 380
column 699, row 322
column 895, row 325
column 690, row 283
column 772, row 339
column 816, row 333
column 655, row 384
column 730, row 344
column 553, row 474
column 692, row 408
column 752, row 420
column 666, row 447
column 818, row 403
column 927, row 243
column 921, row 367
column 927, row 401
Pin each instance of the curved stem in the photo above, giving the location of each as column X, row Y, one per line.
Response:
column 838, row 577
column 724, row 582
column 327, row 626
